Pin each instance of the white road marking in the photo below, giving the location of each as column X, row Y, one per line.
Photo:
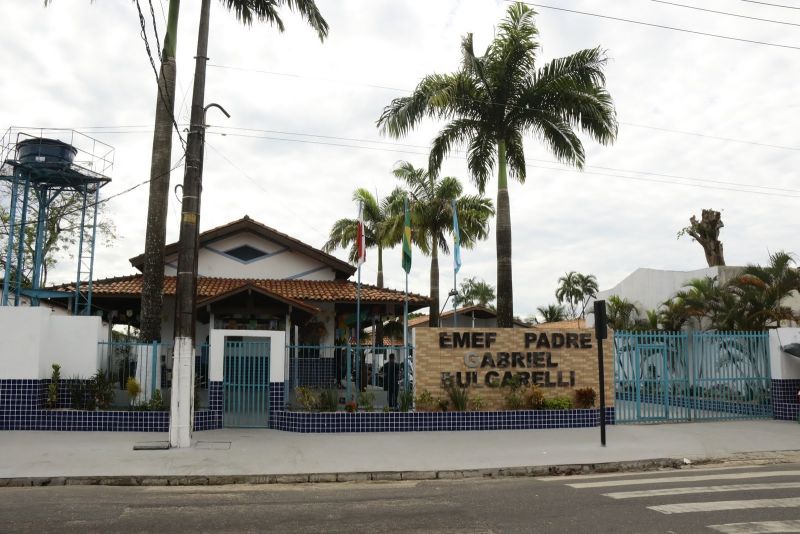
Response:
column 562, row 478
column 699, row 478
column 716, row 506
column 701, row 489
column 758, row 527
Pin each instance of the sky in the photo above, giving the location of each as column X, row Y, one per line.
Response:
column 696, row 113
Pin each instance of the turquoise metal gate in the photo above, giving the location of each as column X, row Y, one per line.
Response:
column 669, row 376
column 652, row 376
column 245, row 384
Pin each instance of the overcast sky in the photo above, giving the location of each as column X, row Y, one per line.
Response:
column 310, row 109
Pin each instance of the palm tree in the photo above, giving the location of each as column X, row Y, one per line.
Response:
column 762, row 290
column 552, row 313
column 431, row 208
column 155, row 235
column 568, row 291
column 377, row 216
column 587, row 284
column 622, row 313
column 495, row 99
column 476, row 292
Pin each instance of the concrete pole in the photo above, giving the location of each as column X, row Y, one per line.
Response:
column 180, row 425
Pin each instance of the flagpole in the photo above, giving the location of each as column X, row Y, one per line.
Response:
column 407, row 268
column 456, row 261
column 358, row 294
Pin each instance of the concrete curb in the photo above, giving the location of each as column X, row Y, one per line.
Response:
column 654, row 464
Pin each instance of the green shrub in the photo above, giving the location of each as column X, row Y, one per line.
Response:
column 459, row 397
column 156, row 403
column 476, row 403
column 443, row 404
column 328, row 400
column 406, row 400
column 52, row 387
column 534, row 398
column 426, row 402
column 585, row 398
column 514, row 400
column 366, row 399
column 101, row 391
column 77, row 393
column 558, row 403
column 306, row 398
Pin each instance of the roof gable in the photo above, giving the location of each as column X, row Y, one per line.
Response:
column 342, row 269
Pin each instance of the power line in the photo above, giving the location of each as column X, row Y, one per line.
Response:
column 726, row 13
column 771, row 5
column 408, row 91
column 663, row 27
column 641, row 179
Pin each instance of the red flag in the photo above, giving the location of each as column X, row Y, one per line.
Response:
column 362, row 248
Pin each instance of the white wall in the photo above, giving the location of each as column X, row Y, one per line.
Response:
column 33, row 338
column 217, row 351
column 648, row 288
column 783, row 366
column 71, row 342
column 281, row 264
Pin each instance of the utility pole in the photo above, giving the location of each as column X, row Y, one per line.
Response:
column 180, row 425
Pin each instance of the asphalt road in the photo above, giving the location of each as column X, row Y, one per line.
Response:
column 745, row 499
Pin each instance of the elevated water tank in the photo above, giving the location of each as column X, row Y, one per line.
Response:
column 44, row 150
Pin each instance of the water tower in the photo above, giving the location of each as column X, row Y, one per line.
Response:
column 43, row 167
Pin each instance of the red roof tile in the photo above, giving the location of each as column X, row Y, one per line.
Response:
column 302, row 290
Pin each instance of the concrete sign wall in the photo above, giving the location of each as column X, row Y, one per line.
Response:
column 485, row 360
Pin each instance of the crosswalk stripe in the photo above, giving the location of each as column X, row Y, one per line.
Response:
column 700, row 489
column 758, row 527
column 716, row 506
column 561, row 478
column 698, row 478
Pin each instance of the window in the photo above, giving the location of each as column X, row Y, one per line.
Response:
column 245, row 253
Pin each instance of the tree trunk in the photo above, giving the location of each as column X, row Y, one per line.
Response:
column 505, row 293
column 706, row 232
column 155, row 235
column 433, row 321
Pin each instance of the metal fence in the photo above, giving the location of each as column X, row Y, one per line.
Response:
column 672, row 376
column 347, row 371
column 245, row 384
column 147, row 364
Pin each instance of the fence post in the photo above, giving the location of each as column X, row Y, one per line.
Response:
column 153, row 367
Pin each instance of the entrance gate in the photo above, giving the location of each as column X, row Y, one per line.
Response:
column 670, row 376
column 245, row 384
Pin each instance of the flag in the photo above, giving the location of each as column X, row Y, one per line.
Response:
column 360, row 239
column 406, row 238
column 456, row 241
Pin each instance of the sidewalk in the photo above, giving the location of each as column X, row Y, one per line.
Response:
column 227, row 452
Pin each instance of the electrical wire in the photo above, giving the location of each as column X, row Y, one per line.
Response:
column 408, row 91
column 725, row 13
column 769, row 4
column 162, row 97
column 661, row 26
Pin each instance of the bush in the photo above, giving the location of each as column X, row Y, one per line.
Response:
column 558, row 403
column 366, row 399
column 156, row 403
column 443, row 404
column 52, row 387
column 534, row 398
column 513, row 397
column 307, row 398
column 585, row 397
column 351, row 406
column 426, row 402
column 476, row 403
column 328, row 400
column 459, row 397
column 133, row 388
column 406, row 400
column 101, row 391
column 77, row 393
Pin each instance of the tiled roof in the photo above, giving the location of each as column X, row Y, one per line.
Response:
column 302, row 290
column 481, row 312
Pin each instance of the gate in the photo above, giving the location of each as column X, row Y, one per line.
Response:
column 245, row 384
column 670, row 376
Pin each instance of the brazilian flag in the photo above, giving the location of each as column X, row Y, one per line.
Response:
column 406, row 238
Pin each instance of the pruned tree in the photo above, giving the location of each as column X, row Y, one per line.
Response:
column 706, row 232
